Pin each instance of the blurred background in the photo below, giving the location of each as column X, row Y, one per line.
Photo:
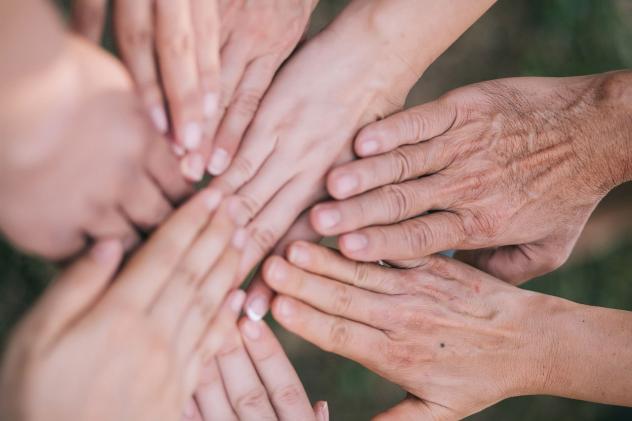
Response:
column 516, row 38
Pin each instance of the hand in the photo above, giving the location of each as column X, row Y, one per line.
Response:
column 129, row 346
column 455, row 338
column 183, row 69
column 514, row 167
column 251, row 378
column 256, row 38
column 79, row 161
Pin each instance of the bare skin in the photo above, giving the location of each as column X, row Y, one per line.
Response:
column 457, row 339
column 513, row 167
column 104, row 344
column 251, row 378
column 356, row 71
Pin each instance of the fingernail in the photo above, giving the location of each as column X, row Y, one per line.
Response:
column 192, row 136
column 299, row 255
column 211, row 102
column 212, row 198
column 328, row 217
column 238, row 213
column 177, row 150
column 347, row 184
column 251, row 329
column 189, row 409
column 354, row 242
column 107, row 251
column 219, row 162
column 237, row 300
column 257, row 309
column 368, row 147
column 240, row 238
column 286, row 308
column 277, row 271
column 192, row 167
column 323, row 411
column 159, row 118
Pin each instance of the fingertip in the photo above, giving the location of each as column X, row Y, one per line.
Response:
column 353, row 243
column 322, row 411
column 251, row 329
column 192, row 167
column 274, row 270
column 283, row 308
column 298, row 253
column 367, row 142
column 236, row 300
column 219, row 162
column 325, row 217
column 159, row 118
column 342, row 183
column 107, row 252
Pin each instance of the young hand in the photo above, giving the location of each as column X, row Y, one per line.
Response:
column 514, row 167
column 102, row 345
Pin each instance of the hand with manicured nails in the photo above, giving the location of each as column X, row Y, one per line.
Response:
column 102, row 345
column 79, row 159
column 172, row 51
column 455, row 338
column 251, row 378
column 513, row 167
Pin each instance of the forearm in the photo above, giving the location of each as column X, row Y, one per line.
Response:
column 590, row 354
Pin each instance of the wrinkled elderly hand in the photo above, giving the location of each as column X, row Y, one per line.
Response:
column 455, row 338
column 251, row 378
column 172, row 51
column 79, row 159
column 514, row 167
column 129, row 346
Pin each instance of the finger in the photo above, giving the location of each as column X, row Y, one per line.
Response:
column 164, row 168
column 211, row 396
column 191, row 411
column 411, row 239
column 88, row 18
column 144, row 204
column 240, row 112
column 413, row 409
column 110, row 223
column 275, row 371
column 415, row 125
column 179, row 70
column 208, row 298
column 77, row 289
column 247, row 395
column 207, row 32
column 321, row 411
column 401, row 164
column 259, row 294
column 329, row 263
column 184, row 289
column 216, row 334
column 135, row 37
column 325, row 294
column 148, row 270
column 349, row 339
column 385, row 205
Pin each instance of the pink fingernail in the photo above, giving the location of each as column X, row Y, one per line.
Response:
column 212, row 198
column 257, row 309
column 219, row 162
column 211, row 104
column 192, row 167
column 237, row 300
column 368, row 147
column 192, row 136
column 354, row 242
column 107, row 251
column 328, row 218
column 286, row 308
column 299, row 255
column 178, row 150
column 323, row 411
column 251, row 329
column 240, row 238
column 277, row 271
column 346, row 184
column 159, row 118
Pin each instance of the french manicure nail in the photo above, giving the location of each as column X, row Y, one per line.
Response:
column 369, row 147
column 257, row 309
column 354, row 242
column 192, row 167
column 192, row 136
column 178, row 150
column 211, row 103
column 251, row 329
column 219, row 162
column 159, row 118
column 237, row 300
column 212, row 198
column 347, row 184
column 240, row 238
column 329, row 218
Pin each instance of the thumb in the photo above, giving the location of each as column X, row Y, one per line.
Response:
column 77, row 288
column 415, row 125
column 413, row 409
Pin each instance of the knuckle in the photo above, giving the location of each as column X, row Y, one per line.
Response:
column 135, row 39
column 187, row 275
column 253, row 399
column 176, row 45
column 399, row 356
column 411, row 126
column 263, row 238
column 553, row 261
column 480, row 226
column 246, row 103
column 290, row 395
column 242, row 169
column 399, row 204
column 203, row 306
column 360, row 274
column 342, row 299
column 420, row 237
column 402, row 165
column 338, row 336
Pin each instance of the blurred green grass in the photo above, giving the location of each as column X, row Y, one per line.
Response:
column 517, row 37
